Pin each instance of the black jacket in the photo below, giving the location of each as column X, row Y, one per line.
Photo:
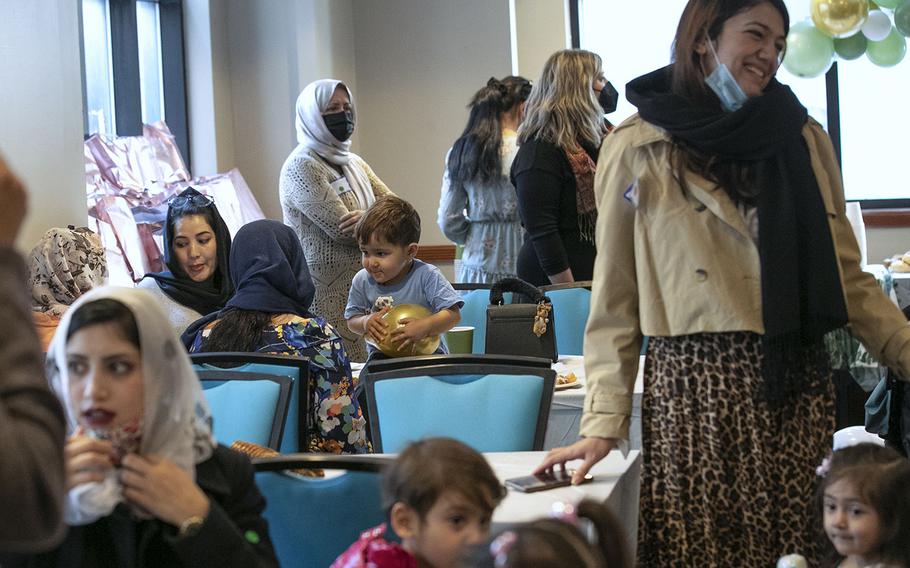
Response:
column 234, row 534
column 546, row 189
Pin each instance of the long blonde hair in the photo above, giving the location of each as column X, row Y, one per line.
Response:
column 562, row 108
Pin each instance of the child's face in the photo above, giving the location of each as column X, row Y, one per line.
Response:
column 852, row 525
column 105, row 377
column 449, row 527
column 387, row 263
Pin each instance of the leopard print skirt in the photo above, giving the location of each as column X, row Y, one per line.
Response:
column 727, row 480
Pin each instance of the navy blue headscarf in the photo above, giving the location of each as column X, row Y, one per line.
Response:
column 269, row 270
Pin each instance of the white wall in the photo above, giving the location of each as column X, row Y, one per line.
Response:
column 41, row 110
column 541, row 30
column 246, row 66
column 418, row 64
column 885, row 243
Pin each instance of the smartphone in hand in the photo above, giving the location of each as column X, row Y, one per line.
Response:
column 544, row 481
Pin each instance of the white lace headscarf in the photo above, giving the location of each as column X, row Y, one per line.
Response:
column 176, row 421
column 313, row 134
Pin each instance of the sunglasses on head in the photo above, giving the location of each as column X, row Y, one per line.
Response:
column 198, row 200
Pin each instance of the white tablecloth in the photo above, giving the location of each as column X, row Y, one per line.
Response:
column 616, row 483
column 565, row 412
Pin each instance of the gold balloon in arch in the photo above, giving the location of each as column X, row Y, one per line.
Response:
column 390, row 348
column 839, row 18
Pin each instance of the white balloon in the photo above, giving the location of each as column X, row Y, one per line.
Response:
column 877, row 26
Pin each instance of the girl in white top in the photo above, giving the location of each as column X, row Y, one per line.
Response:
column 479, row 207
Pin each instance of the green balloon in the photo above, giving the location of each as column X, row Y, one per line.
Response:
column 889, row 4
column 809, row 51
column 888, row 52
column 850, row 48
column 902, row 18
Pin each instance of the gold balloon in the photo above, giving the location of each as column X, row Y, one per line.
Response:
column 839, row 18
column 426, row 346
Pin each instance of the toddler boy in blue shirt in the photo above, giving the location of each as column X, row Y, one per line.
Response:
column 388, row 234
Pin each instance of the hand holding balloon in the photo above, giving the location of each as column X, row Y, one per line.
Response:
column 408, row 331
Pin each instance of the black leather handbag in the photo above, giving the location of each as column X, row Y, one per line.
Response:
column 520, row 328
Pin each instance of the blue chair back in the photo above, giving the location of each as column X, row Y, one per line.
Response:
column 294, row 438
column 247, row 406
column 474, row 312
column 571, row 306
column 490, row 405
column 313, row 520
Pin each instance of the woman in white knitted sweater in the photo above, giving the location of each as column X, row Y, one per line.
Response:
column 324, row 190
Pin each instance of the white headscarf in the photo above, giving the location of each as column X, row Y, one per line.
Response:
column 176, row 421
column 313, row 134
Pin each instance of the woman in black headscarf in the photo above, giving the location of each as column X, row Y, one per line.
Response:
column 270, row 313
column 197, row 245
column 722, row 237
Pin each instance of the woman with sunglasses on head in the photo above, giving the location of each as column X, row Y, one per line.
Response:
column 722, row 237
column 197, row 246
column 325, row 188
column 553, row 172
column 478, row 208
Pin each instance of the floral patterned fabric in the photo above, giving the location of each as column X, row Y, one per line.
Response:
column 338, row 425
column 372, row 551
column 65, row 264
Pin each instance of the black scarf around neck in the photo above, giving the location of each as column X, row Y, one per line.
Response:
column 802, row 297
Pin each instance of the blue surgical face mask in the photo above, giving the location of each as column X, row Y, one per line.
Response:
column 721, row 81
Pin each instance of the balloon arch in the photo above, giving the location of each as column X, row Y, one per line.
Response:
column 848, row 29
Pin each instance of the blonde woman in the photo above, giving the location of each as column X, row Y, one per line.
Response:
column 553, row 171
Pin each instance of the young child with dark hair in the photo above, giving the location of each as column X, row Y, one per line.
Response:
column 865, row 499
column 561, row 541
column 439, row 496
column 388, row 234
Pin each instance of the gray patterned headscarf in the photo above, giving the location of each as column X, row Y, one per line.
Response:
column 65, row 264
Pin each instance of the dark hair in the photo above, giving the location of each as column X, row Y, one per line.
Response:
column 554, row 543
column 237, row 330
column 103, row 311
column 428, row 468
column 186, row 209
column 881, row 476
column 477, row 153
column 741, row 182
column 390, row 218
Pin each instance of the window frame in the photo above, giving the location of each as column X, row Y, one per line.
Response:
column 124, row 51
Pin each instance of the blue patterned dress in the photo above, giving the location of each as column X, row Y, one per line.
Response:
column 339, row 425
column 484, row 218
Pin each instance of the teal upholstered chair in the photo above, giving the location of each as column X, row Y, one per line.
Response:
column 300, row 412
column 474, row 312
column 247, row 406
column 313, row 520
column 493, row 403
column 571, row 304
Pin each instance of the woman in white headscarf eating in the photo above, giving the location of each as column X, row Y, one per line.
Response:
column 324, row 190
column 146, row 483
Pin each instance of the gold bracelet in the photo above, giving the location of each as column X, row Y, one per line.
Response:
column 190, row 526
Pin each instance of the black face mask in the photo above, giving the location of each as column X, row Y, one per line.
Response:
column 340, row 124
column 608, row 98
